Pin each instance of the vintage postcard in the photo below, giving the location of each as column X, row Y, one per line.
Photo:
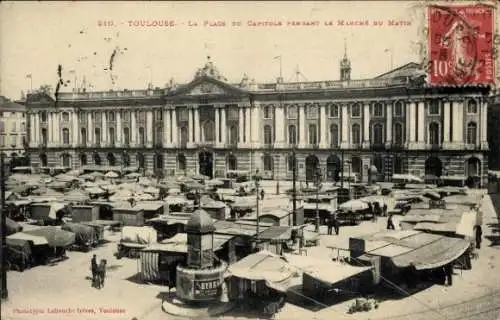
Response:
column 249, row 160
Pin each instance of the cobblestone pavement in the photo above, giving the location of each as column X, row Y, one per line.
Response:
column 63, row 291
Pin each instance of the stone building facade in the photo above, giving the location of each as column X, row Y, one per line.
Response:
column 394, row 122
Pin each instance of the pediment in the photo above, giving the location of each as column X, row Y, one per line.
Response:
column 207, row 86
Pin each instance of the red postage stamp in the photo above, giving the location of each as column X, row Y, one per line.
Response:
column 461, row 45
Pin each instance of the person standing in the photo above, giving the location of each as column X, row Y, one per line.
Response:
column 448, row 271
column 336, row 225
column 390, row 223
column 93, row 267
column 479, row 236
column 384, row 209
column 328, row 222
column 262, row 194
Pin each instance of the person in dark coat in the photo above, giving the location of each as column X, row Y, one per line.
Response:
column 336, row 225
column 390, row 224
column 329, row 225
column 479, row 236
column 448, row 271
column 384, row 210
column 262, row 194
column 93, row 267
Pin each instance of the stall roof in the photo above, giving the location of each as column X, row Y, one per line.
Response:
column 276, row 233
column 149, row 206
column 37, row 240
column 324, row 270
column 178, row 243
column 262, row 265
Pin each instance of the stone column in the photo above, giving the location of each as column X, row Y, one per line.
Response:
column 174, row 127
column 421, row 125
column 302, row 126
column 74, row 129
column 223, row 129
column 90, row 129
column 255, row 126
column 166, row 128
column 118, row 130
column 483, row 124
column 247, row 125
column 241, row 127
column 38, row 139
column 344, row 144
column 217, row 126
column 458, row 124
column 322, row 127
column 388, row 125
column 50, row 129
column 413, row 117
column 32, row 131
column 190, row 125
column 104, row 128
column 446, row 125
column 133, row 129
column 149, row 128
column 366, row 125
column 197, row 129
column 279, row 115
column 407, row 124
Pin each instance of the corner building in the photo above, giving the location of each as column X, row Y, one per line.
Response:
column 395, row 122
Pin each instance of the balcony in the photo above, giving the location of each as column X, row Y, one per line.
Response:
column 434, row 147
column 205, row 144
column 182, row 145
column 141, row 144
column 268, row 145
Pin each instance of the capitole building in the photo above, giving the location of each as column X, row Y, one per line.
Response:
column 394, row 123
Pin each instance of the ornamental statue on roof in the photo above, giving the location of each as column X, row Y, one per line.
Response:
column 210, row 70
column 244, row 81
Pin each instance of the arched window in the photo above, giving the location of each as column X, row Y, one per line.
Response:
column 83, row 159
column 126, row 136
column 292, row 134
column 65, row 117
column 44, row 136
column 111, row 159
column 434, row 135
column 83, row 136
column 97, row 135
column 97, row 159
column 112, row 136
column 313, row 134
column 378, row 134
column 142, row 137
column 268, row 162
column 268, row 134
column 398, row 109
column 126, row 160
column 471, row 133
column 398, row 134
column 159, row 134
column 233, row 135
column 208, row 131
column 66, row 160
column 232, row 163
column 398, row 165
column 184, row 135
column 43, row 160
column 141, row 162
column 158, row 161
column 65, row 136
column 181, row 162
column 290, row 162
column 355, row 134
column 334, row 135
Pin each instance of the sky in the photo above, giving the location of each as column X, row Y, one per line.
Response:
column 37, row 37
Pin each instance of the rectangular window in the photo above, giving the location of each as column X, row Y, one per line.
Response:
column 434, row 108
column 356, row 111
column 334, row 111
column 313, row 134
column 378, row 110
column 13, row 141
column 398, row 109
column 268, row 112
column 312, row 112
column 291, row 112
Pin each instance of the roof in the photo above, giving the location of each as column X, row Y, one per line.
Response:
column 178, row 243
column 324, row 270
column 262, row 265
column 409, row 69
column 276, row 233
column 7, row 105
column 200, row 222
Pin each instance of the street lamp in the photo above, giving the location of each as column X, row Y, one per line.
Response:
column 317, row 182
column 257, row 179
column 291, row 220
